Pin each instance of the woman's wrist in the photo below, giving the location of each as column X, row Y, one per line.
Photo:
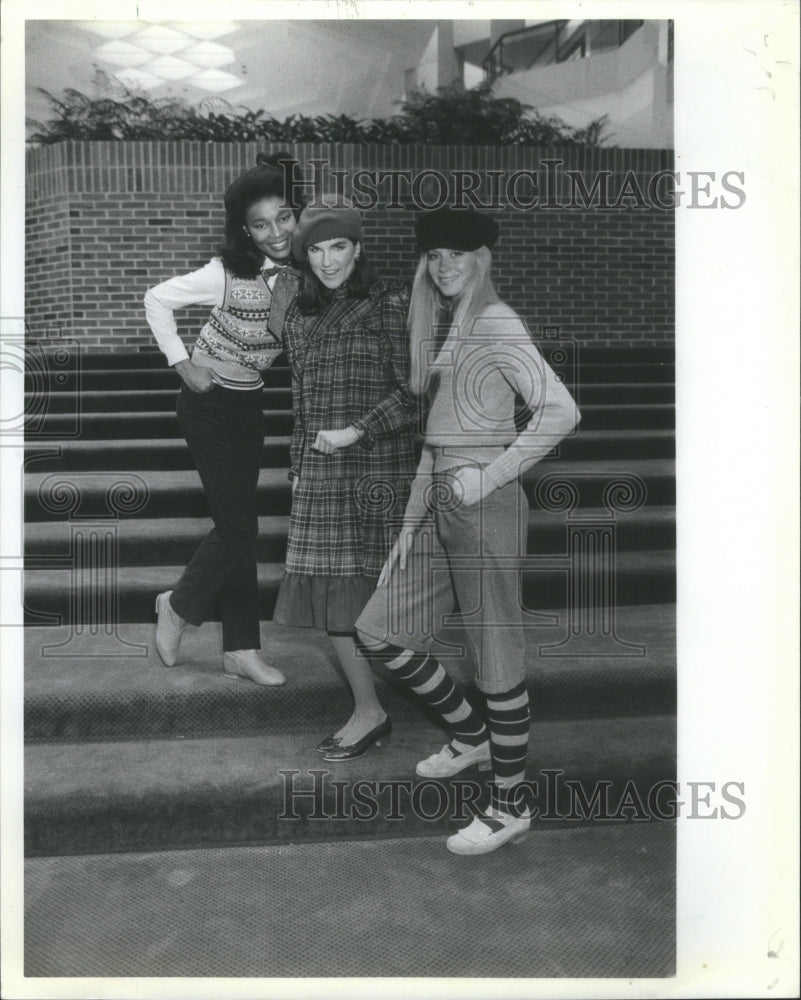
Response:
column 358, row 431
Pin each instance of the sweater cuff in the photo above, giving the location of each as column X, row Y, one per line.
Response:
column 175, row 353
column 367, row 437
column 498, row 471
column 416, row 507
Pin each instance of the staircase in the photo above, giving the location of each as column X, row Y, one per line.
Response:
column 117, row 415
column 125, row 755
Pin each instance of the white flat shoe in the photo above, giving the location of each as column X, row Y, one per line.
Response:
column 487, row 833
column 449, row 761
column 247, row 664
column 169, row 629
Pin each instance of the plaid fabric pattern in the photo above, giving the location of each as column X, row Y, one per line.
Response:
column 350, row 366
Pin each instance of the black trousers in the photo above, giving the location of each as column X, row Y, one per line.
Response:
column 224, row 429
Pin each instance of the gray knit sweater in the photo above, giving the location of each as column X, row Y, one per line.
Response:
column 471, row 419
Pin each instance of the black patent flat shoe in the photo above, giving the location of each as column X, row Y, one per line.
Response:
column 373, row 738
column 329, row 743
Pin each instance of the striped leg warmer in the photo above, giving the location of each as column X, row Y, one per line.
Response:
column 508, row 725
column 423, row 674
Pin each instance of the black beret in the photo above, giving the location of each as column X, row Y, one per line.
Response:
column 455, row 229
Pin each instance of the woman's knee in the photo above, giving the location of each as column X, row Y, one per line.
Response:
column 369, row 642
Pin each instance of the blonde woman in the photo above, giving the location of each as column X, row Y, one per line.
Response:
column 467, row 508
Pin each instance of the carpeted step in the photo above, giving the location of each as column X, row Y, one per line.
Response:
column 99, row 687
column 133, row 379
column 172, row 453
column 136, row 425
column 173, row 540
column 142, row 400
column 578, row 901
column 138, row 455
column 145, row 400
column 158, row 794
column 158, row 493
column 144, row 357
column 136, row 377
column 641, row 577
column 624, row 393
column 152, row 357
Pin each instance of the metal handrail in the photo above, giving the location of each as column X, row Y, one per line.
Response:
column 493, row 63
column 489, row 60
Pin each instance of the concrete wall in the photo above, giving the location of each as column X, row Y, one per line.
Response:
column 629, row 84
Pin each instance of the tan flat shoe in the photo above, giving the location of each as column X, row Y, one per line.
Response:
column 247, row 664
column 169, row 629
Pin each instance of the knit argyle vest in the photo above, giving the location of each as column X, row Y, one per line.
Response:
column 235, row 342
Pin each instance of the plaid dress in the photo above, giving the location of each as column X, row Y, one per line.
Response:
column 349, row 366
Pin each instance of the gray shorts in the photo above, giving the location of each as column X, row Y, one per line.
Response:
column 470, row 556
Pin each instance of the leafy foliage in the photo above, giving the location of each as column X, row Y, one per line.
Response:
column 452, row 116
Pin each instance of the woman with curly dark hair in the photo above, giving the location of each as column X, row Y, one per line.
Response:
column 220, row 410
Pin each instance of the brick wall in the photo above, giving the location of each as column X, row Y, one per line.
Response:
column 48, row 268
column 107, row 220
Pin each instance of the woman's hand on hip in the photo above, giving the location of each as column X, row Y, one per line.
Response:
column 471, row 485
column 195, row 377
column 328, row 442
column 400, row 550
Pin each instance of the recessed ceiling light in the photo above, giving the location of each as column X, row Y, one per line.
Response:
column 111, row 29
column 123, row 53
column 215, row 80
column 170, row 68
column 161, row 39
column 209, row 54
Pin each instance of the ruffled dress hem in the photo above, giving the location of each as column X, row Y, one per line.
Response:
column 331, row 603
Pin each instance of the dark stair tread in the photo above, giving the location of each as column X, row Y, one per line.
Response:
column 159, row 492
column 44, row 538
column 154, row 425
column 186, row 478
column 96, row 797
column 115, row 445
column 359, row 901
column 583, row 372
column 42, row 579
column 142, row 454
column 157, row 400
column 138, row 768
column 105, row 694
column 152, row 357
column 51, row 596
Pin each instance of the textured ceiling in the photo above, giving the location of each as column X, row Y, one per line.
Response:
column 285, row 67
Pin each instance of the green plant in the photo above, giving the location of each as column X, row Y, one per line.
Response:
column 452, row 116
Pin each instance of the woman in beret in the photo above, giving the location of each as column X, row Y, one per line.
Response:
column 467, row 511
column 352, row 450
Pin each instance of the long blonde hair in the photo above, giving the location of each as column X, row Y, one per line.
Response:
column 426, row 301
